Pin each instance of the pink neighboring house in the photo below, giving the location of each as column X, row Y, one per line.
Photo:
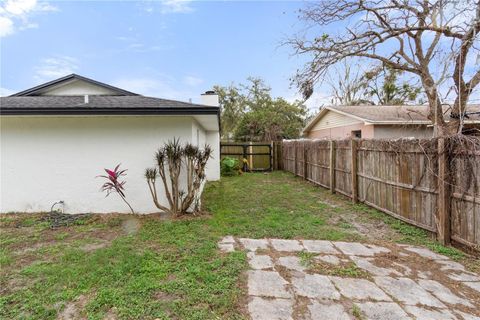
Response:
column 379, row 122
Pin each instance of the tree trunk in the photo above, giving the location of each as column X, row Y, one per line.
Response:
column 435, row 106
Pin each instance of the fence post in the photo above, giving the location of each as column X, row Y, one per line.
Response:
column 250, row 156
column 296, row 158
column 353, row 169
column 272, row 155
column 305, row 160
column 332, row 166
column 280, row 155
column 443, row 197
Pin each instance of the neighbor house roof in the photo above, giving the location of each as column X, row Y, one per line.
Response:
column 38, row 90
column 415, row 114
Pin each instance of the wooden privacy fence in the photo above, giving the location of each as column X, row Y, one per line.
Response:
column 260, row 156
column 407, row 179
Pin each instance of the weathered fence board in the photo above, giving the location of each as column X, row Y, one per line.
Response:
column 401, row 178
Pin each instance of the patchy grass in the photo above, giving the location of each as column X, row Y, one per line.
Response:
column 172, row 269
column 349, row 270
column 357, row 313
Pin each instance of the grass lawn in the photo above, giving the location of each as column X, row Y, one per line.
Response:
column 126, row 267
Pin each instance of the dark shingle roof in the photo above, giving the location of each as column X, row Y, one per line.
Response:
column 98, row 105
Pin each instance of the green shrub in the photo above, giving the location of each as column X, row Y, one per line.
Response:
column 229, row 166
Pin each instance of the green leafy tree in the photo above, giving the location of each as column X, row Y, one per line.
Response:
column 232, row 107
column 249, row 113
column 386, row 89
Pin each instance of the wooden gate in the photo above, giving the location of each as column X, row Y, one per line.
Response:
column 251, row 156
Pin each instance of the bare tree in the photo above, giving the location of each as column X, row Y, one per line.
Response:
column 416, row 36
column 349, row 84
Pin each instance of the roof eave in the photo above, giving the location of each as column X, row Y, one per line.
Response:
column 399, row 122
column 109, row 111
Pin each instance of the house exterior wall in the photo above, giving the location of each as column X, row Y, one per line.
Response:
column 334, row 120
column 47, row 159
column 342, row 132
column 402, row 131
column 373, row 132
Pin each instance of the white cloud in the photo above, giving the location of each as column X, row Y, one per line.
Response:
column 176, row 6
column 16, row 14
column 163, row 87
column 55, row 67
column 134, row 44
column 148, row 87
column 6, row 26
column 168, row 6
column 5, row 92
column 192, row 81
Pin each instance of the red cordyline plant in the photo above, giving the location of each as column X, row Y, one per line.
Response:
column 114, row 184
column 170, row 160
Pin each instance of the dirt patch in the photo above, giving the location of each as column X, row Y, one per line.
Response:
column 111, row 314
column 131, row 225
column 164, row 296
column 94, row 246
column 73, row 310
column 371, row 230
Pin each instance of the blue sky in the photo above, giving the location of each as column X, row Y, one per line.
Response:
column 165, row 48
column 168, row 49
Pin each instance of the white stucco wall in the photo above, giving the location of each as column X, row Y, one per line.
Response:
column 47, row 159
column 212, row 171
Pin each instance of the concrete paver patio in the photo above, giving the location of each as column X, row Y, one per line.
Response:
column 316, row 279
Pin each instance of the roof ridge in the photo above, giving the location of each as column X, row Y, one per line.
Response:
column 36, row 89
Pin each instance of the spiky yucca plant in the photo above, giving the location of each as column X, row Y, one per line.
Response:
column 170, row 160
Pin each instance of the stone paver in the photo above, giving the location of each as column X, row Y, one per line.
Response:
column 382, row 311
column 259, row 262
column 291, row 262
column 464, row 276
column 315, row 286
column 267, row 284
column 270, row 309
column 329, row 259
column 407, row 291
column 330, row 311
column 281, row 287
column 467, row 316
column 426, row 253
column 443, row 293
column 254, row 244
column 450, row 265
column 319, row 246
column 424, row 274
column 359, row 289
column 358, row 249
column 228, row 239
column 286, row 245
column 426, row 314
column 407, row 271
column 226, row 247
column 473, row 285
column 367, row 265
